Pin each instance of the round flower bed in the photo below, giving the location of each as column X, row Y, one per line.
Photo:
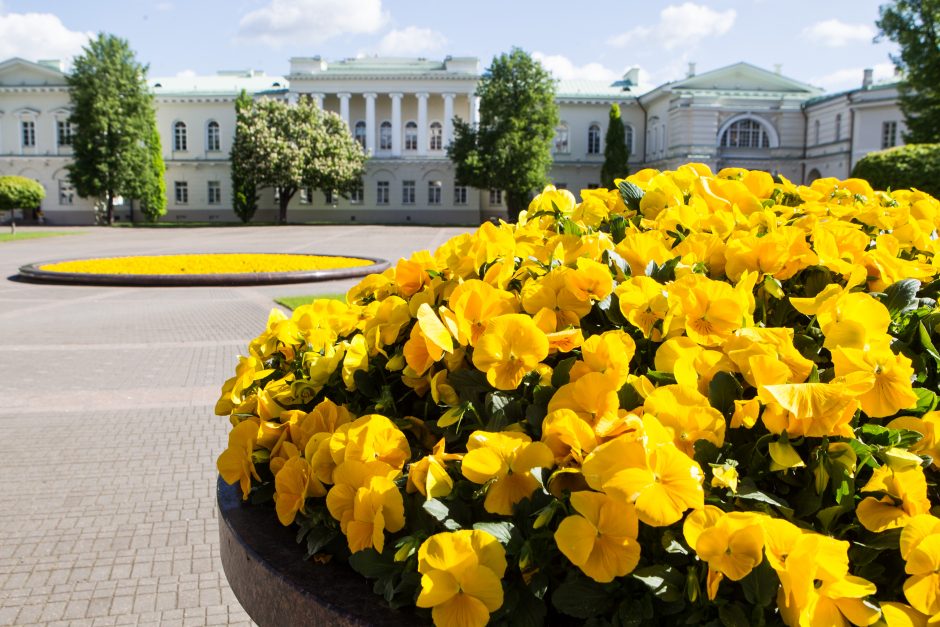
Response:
column 702, row 398
column 204, row 269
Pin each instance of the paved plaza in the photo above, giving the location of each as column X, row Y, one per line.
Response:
column 107, row 498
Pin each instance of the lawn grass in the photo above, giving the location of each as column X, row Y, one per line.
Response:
column 293, row 302
column 9, row 237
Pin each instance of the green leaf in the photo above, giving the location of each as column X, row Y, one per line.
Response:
column 371, row 564
column 926, row 401
column 366, row 385
column 618, row 228
column 665, row 582
column 469, row 383
column 901, row 297
column 747, row 490
column 631, row 194
column 925, row 341
column 581, row 597
column 561, row 373
column 629, row 397
column 437, row 509
column 723, row 391
column 731, row 615
column 502, row 531
column 760, row 585
column 318, row 538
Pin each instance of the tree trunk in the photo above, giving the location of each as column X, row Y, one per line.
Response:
column 516, row 201
column 282, row 201
column 110, row 211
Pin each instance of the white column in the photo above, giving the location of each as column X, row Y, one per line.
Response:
column 370, row 123
column 422, row 123
column 448, row 119
column 396, row 124
column 318, row 98
column 474, row 109
column 344, row 108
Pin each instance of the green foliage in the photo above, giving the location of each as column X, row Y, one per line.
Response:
column 113, row 144
column 915, row 26
column 153, row 189
column 616, row 152
column 289, row 147
column 915, row 165
column 19, row 192
column 511, row 148
column 244, row 190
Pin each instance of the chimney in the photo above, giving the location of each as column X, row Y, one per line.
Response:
column 691, row 72
column 778, row 68
column 868, row 78
column 632, row 76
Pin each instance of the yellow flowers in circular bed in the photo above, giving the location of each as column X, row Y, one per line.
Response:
column 698, row 398
column 223, row 263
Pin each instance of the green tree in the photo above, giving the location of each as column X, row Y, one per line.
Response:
column 19, row 192
column 244, row 189
column 112, row 109
column 153, row 191
column 915, row 26
column 511, row 148
column 288, row 147
column 616, row 152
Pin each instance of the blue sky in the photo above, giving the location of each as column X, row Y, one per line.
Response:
column 824, row 42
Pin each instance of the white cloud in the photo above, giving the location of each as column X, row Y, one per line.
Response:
column 679, row 25
column 835, row 33
column 186, row 73
column 852, row 77
column 411, row 42
column 39, row 36
column 164, row 6
column 310, row 22
column 562, row 67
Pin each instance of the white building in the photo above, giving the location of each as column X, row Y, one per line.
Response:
column 401, row 111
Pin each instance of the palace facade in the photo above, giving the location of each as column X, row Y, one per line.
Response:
column 401, row 112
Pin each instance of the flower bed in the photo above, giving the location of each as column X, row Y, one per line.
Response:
column 697, row 398
column 222, row 263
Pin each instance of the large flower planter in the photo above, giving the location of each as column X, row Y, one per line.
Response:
column 276, row 586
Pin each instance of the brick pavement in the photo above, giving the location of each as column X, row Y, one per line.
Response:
column 107, row 510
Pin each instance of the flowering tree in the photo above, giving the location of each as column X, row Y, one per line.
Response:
column 19, row 192
column 288, row 147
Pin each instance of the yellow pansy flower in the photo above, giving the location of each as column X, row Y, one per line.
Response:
column 511, row 347
column 731, row 543
column 293, row 485
column 905, row 496
column 366, row 502
column 609, row 352
column 928, row 426
column 688, row 415
column 920, row 548
column 368, row 438
column 569, row 436
column 601, row 538
column 643, row 302
column 235, row 463
column 593, row 397
column 889, row 374
column 505, row 462
column 461, row 574
column 355, row 358
column 429, row 474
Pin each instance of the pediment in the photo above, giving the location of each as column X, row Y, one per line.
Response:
column 18, row 72
column 744, row 77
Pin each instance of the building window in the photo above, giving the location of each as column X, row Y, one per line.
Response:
column 838, row 126
column 385, row 136
column 561, row 138
column 628, row 137
column 213, row 137
column 64, row 132
column 593, row 186
column 215, row 193
column 496, row 196
column 179, row 136
column 561, row 186
column 434, row 192
column 662, row 138
column 594, row 140
column 29, row 133
column 746, row 133
column 411, row 136
column 816, row 132
column 306, row 195
column 355, row 196
column 381, row 193
column 181, row 189
column 66, row 193
column 460, row 194
column 359, row 133
column 889, row 134
column 437, row 136
column 329, row 196
column 408, row 192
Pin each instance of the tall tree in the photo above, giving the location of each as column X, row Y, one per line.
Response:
column 153, row 183
column 112, row 109
column 915, row 26
column 244, row 189
column 511, row 148
column 288, row 147
column 616, row 152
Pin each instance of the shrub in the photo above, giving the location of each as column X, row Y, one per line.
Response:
column 700, row 398
column 19, row 192
column 914, row 166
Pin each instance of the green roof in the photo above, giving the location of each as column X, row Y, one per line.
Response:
column 581, row 88
column 221, row 84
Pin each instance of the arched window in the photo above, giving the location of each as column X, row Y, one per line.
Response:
column 816, row 132
column 437, row 136
column 411, row 136
column 385, row 135
column 594, row 139
column 745, row 133
column 812, row 176
column 179, row 136
column 359, row 133
column 213, row 136
column 561, row 138
column 838, row 126
column 662, row 138
column 628, row 137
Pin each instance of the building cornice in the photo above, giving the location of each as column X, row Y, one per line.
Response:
column 34, row 88
column 327, row 76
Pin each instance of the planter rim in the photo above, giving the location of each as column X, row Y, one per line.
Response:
column 33, row 272
column 265, row 568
